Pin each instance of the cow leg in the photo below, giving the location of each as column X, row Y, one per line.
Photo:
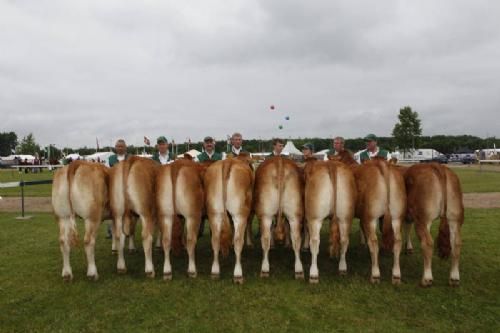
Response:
column 314, row 231
column 91, row 227
column 344, row 229
column 372, row 240
column 287, row 235
column 248, row 231
column 240, row 223
column 362, row 236
column 423, row 232
column 456, row 244
column 119, row 239
column 407, row 237
column 396, row 270
column 131, row 237
column 305, row 244
column 166, row 238
column 147, row 245
column 265, row 239
column 215, row 221
column 193, row 226
column 66, row 233
column 295, row 228
column 112, row 232
column 159, row 239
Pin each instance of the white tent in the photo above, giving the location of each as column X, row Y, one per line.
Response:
column 30, row 158
column 193, row 153
column 290, row 149
column 73, row 156
column 101, row 156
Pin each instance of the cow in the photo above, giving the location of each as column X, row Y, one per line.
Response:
column 381, row 194
column 279, row 192
column 228, row 186
column 179, row 193
column 80, row 189
column 132, row 193
column 434, row 191
column 330, row 192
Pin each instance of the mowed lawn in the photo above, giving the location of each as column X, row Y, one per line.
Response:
column 472, row 181
column 33, row 296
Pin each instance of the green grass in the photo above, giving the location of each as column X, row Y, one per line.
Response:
column 33, row 296
column 7, row 175
column 473, row 180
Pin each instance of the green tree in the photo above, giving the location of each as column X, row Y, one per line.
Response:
column 407, row 130
column 8, row 142
column 28, row 145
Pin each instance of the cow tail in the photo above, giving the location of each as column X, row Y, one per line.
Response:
column 126, row 166
column 443, row 239
column 73, row 232
column 279, row 232
column 177, row 227
column 387, row 231
column 226, row 232
column 334, row 225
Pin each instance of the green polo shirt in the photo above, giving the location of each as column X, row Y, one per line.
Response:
column 113, row 159
column 156, row 156
column 364, row 156
column 204, row 157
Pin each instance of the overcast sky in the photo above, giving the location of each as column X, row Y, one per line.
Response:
column 71, row 71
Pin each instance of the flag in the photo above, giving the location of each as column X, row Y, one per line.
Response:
column 97, row 143
column 146, row 141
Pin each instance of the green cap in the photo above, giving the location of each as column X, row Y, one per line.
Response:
column 208, row 139
column 161, row 139
column 308, row 146
column 370, row 137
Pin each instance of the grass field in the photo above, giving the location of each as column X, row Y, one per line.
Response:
column 33, row 296
column 472, row 181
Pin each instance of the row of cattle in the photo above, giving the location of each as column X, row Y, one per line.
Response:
column 230, row 193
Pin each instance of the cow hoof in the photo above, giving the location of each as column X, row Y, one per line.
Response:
column 192, row 274
column 150, row 275
column 114, row 252
column 67, row 277
column 215, row 276
column 238, row 280
column 167, row 276
column 122, row 270
column 342, row 272
column 426, row 283
column 264, row 274
column 93, row 277
column 299, row 275
column 314, row 279
column 454, row 283
column 396, row 280
column 132, row 251
column 375, row 279
column 409, row 251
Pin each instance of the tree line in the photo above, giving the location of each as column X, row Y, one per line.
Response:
column 406, row 135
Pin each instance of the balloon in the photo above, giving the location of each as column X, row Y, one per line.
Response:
column 280, row 126
column 272, row 107
column 287, row 118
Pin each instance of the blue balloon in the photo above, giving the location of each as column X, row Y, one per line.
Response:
column 287, row 118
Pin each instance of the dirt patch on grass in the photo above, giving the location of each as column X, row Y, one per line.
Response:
column 43, row 204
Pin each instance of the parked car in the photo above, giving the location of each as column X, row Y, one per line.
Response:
column 438, row 159
column 468, row 160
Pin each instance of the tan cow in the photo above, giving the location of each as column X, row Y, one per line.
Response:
column 80, row 189
column 279, row 192
column 228, row 185
column 330, row 192
column 381, row 194
column 132, row 192
column 434, row 191
column 179, row 193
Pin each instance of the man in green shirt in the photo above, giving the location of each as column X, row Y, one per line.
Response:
column 209, row 153
column 121, row 153
column 278, row 145
column 236, row 145
column 163, row 155
column 372, row 150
